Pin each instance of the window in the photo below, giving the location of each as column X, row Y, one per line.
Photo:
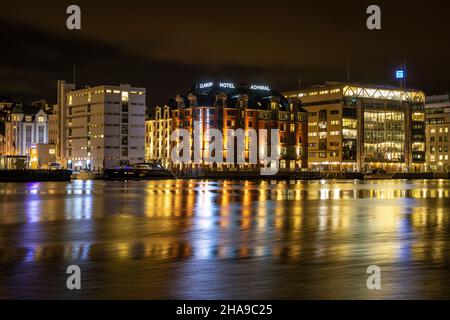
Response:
column 41, row 134
column 292, row 128
column 334, row 154
column 125, row 96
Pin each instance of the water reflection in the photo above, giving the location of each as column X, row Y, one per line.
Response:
column 277, row 227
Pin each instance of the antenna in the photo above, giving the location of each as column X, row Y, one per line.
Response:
column 74, row 73
column 348, row 67
column 299, row 83
column 404, row 72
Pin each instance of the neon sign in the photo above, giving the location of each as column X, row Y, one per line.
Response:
column 206, row 85
column 400, row 74
column 226, row 85
column 259, row 87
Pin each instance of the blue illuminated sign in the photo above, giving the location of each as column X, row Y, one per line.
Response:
column 400, row 74
column 226, row 85
column 206, row 85
column 259, row 87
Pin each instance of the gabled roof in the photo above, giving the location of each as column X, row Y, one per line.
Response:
column 27, row 110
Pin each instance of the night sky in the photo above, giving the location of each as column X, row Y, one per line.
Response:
column 166, row 46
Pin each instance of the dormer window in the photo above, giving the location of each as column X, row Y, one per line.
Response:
column 28, row 118
column 41, row 119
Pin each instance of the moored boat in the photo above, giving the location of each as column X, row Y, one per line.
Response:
column 143, row 171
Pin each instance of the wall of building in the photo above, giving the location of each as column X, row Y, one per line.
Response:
column 105, row 127
column 25, row 130
column 157, row 136
column 438, row 136
column 358, row 128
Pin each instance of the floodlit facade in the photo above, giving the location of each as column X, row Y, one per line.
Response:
column 438, row 136
column 225, row 105
column 25, row 127
column 158, row 132
column 103, row 127
column 355, row 128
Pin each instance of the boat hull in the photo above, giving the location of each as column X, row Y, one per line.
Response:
column 137, row 174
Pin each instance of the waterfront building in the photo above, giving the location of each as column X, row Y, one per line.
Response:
column 354, row 128
column 25, row 127
column 225, row 105
column 61, row 110
column 103, row 126
column 438, row 136
column 158, row 130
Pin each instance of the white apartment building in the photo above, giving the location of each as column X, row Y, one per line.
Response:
column 104, row 127
column 25, row 127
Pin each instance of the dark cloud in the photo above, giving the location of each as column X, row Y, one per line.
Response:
column 165, row 46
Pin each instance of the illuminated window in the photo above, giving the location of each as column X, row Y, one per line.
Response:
column 292, row 127
column 41, row 119
column 124, row 96
column 418, row 117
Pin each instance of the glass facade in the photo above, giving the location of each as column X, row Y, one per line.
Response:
column 384, row 132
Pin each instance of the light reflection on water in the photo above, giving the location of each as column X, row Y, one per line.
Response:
column 296, row 239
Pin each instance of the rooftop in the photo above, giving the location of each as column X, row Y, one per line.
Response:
column 259, row 96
